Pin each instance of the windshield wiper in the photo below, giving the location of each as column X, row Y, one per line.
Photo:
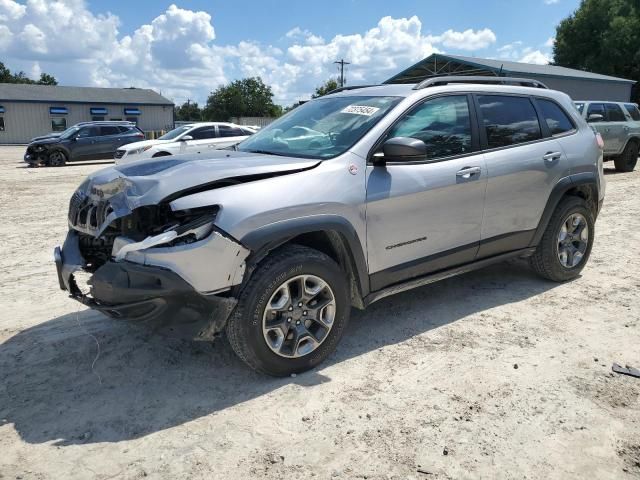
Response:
column 266, row 152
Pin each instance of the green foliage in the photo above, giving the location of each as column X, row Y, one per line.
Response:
column 248, row 97
column 602, row 36
column 189, row 112
column 327, row 87
column 20, row 77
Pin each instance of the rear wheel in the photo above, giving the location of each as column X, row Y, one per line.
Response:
column 566, row 244
column 57, row 158
column 292, row 313
column 627, row 161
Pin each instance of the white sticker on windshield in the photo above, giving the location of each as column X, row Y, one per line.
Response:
column 360, row 110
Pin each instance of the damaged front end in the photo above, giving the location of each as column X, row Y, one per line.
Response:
column 37, row 154
column 136, row 261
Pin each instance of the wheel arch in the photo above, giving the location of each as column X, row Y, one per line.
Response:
column 331, row 235
column 583, row 185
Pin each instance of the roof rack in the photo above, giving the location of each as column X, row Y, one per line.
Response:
column 351, row 87
column 523, row 82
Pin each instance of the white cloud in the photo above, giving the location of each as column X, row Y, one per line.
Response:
column 178, row 53
column 550, row 42
column 550, row 2
column 536, row 57
column 467, row 40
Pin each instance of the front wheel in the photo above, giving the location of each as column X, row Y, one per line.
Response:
column 57, row 158
column 566, row 244
column 292, row 313
column 627, row 161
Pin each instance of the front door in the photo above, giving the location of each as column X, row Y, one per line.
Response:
column 202, row 138
column 616, row 123
column 424, row 216
column 84, row 146
column 603, row 127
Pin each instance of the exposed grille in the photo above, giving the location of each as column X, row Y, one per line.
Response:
column 85, row 215
column 119, row 154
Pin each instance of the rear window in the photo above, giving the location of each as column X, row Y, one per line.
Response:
column 508, row 120
column 554, row 116
column 109, row 131
column 614, row 113
column 633, row 111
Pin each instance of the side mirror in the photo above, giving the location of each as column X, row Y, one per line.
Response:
column 404, row 149
column 186, row 138
column 595, row 117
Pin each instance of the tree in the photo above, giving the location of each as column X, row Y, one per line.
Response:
column 248, row 97
column 325, row 88
column 189, row 112
column 602, row 36
column 20, row 77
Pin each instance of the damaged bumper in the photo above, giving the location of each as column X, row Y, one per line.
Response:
column 153, row 282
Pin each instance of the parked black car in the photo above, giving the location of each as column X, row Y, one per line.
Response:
column 83, row 141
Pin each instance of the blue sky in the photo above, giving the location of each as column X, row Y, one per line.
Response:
column 187, row 48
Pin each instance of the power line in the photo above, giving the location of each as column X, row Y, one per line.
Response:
column 342, row 63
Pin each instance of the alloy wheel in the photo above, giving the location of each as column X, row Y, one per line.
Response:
column 299, row 316
column 573, row 240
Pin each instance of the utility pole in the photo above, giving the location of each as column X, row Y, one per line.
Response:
column 342, row 63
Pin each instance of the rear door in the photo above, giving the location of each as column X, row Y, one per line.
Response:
column 229, row 135
column 524, row 163
column 426, row 215
column 108, row 142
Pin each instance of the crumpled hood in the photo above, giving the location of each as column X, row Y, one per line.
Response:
column 149, row 182
column 46, row 139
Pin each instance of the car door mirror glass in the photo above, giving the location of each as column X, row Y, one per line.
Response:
column 404, row 149
column 595, row 117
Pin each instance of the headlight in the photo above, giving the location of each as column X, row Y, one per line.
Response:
column 138, row 151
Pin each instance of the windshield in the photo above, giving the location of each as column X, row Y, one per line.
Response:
column 322, row 128
column 69, row 132
column 176, row 132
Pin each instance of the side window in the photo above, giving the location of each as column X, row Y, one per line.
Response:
column 556, row 119
column 87, row 132
column 1, row 124
column 508, row 120
column 227, row 131
column 443, row 124
column 596, row 109
column 203, row 133
column 614, row 113
column 633, row 111
column 109, row 131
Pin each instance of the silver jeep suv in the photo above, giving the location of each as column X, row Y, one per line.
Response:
column 345, row 200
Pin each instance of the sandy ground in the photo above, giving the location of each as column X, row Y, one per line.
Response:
column 494, row 374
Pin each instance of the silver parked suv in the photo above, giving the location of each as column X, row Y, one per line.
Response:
column 343, row 201
column 619, row 125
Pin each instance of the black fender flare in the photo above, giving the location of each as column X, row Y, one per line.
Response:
column 262, row 240
column 560, row 190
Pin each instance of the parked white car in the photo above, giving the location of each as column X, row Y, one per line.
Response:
column 195, row 138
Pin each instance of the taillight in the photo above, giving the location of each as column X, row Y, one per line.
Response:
column 599, row 141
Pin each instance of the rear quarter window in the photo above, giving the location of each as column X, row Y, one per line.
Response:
column 555, row 117
column 614, row 113
column 508, row 120
column 633, row 111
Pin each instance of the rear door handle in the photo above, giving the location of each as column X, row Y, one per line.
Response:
column 468, row 172
column 551, row 156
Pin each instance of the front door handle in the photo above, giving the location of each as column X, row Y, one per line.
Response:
column 551, row 156
column 468, row 172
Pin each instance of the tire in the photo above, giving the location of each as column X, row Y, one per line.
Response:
column 256, row 345
column 57, row 158
column 627, row 161
column 548, row 260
